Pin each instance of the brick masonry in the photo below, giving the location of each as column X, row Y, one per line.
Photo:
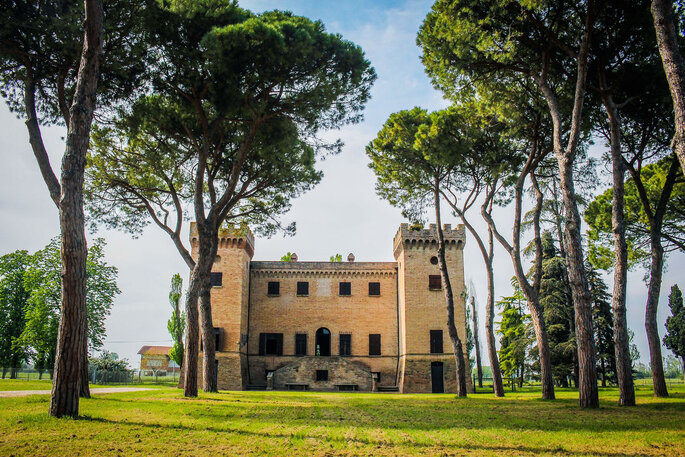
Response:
column 403, row 314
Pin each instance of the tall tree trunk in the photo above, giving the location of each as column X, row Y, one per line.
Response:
column 206, row 255
column 192, row 342
column 624, row 374
column 84, row 391
column 655, row 272
column 674, row 67
column 69, row 356
column 582, row 301
column 449, row 298
column 476, row 341
column 488, row 255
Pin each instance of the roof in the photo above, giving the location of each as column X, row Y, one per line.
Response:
column 154, row 350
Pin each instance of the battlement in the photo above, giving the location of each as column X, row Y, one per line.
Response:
column 423, row 238
column 230, row 236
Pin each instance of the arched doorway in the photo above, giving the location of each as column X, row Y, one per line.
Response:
column 323, row 342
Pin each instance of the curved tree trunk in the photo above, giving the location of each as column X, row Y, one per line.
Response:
column 207, row 248
column 655, row 272
column 476, row 341
column 618, row 305
column 674, row 67
column 497, row 384
column 449, row 298
column 69, row 355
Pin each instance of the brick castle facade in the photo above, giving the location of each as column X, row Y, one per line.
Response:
column 337, row 325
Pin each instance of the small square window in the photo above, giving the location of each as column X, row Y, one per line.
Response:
column 322, row 375
column 434, row 282
column 216, row 279
column 374, row 288
column 345, row 288
column 302, row 288
column 274, row 288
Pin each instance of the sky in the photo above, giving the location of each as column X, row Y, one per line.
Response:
column 342, row 214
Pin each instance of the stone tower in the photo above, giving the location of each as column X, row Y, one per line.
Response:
column 426, row 355
column 230, row 297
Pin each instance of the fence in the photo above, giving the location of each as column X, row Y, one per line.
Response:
column 99, row 377
column 512, row 384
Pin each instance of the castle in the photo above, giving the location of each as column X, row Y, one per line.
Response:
column 368, row 326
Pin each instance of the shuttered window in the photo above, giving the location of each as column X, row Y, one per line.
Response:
column 434, row 282
column 375, row 344
column 345, row 344
column 436, row 341
column 274, row 288
column 270, row 344
column 216, row 279
column 301, row 344
column 374, row 288
column 345, row 288
column 302, row 288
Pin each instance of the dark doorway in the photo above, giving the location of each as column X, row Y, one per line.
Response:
column 323, row 342
column 437, row 378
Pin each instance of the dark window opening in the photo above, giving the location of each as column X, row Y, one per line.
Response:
column 322, row 375
column 377, row 375
column 434, row 282
column 323, row 342
column 434, row 260
column 374, row 344
column 216, row 279
column 345, row 288
column 436, row 341
column 346, row 344
column 374, row 288
column 301, row 344
column 274, row 288
column 270, row 344
column 302, row 288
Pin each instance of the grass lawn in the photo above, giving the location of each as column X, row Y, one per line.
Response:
column 162, row 422
column 46, row 384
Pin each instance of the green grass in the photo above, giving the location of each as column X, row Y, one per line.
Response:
column 46, row 384
column 162, row 422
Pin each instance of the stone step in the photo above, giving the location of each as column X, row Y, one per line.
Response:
column 387, row 389
column 255, row 387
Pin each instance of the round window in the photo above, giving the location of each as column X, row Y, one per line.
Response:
column 434, row 260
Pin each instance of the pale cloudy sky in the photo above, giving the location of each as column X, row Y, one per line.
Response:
column 342, row 215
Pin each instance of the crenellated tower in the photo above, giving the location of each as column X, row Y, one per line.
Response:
column 230, row 302
column 426, row 355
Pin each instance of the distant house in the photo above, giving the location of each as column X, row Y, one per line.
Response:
column 156, row 358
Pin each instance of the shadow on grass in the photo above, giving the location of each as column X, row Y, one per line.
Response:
column 362, row 441
column 415, row 413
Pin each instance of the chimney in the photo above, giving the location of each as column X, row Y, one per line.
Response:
column 350, row 258
column 293, row 257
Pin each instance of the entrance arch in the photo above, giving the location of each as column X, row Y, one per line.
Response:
column 323, row 342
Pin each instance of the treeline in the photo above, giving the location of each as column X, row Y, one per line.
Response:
column 31, row 301
column 532, row 86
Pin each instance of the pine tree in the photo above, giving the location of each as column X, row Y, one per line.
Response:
column 675, row 324
column 602, row 320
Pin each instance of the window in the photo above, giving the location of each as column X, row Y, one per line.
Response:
column 434, row 260
column 377, row 375
column 274, row 288
column 322, row 375
column 345, row 344
column 215, row 279
column 270, row 344
column 217, row 339
column 436, row 341
column 301, row 344
column 345, row 288
column 374, row 288
column 434, row 282
column 322, row 342
column 374, row 344
column 302, row 288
